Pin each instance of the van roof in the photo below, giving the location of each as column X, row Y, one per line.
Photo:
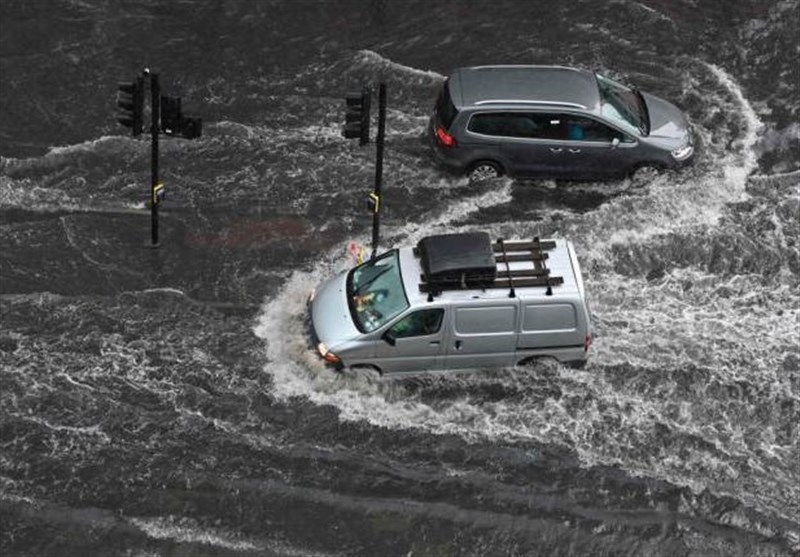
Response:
column 558, row 262
column 514, row 85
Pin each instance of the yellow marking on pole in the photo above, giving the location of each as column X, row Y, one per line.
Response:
column 157, row 189
column 376, row 202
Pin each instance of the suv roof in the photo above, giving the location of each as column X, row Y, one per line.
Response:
column 510, row 85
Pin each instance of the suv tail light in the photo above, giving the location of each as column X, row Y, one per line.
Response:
column 444, row 138
column 588, row 342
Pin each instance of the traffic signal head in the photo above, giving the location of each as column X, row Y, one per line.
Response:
column 191, row 128
column 130, row 98
column 356, row 118
column 173, row 122
column 170, row 115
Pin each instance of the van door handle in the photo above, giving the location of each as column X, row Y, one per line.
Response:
column 574, row 150
column 556, row 149
column 434, row 343
column 458, row 345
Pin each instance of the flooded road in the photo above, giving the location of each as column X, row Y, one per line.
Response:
column 166, row 401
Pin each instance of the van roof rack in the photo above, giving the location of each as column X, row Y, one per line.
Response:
column 470, row 261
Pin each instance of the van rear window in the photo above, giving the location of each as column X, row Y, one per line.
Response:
column 445, row 109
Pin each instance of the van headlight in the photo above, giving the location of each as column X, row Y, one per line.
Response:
column 327, row 355
column 683, row 153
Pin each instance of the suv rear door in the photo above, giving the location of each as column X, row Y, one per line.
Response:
column 524, row 137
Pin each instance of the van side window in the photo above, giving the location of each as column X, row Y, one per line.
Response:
column 483, row 320
column 419, row 323
column 551, row 317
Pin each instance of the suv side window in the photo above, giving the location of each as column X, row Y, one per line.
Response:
column 512, row 124
column 419, row 323
column 581, row 128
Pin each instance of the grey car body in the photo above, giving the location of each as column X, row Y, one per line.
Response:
column 553, row 121
column 407, row 330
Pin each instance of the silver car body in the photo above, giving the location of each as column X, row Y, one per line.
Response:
column 553, row 121
column 477, row 328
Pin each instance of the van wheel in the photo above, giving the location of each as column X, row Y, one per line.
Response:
column 540, row 364
column 370, row 373
column 484, row 170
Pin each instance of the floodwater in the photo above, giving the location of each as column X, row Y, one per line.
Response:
column 167, row 402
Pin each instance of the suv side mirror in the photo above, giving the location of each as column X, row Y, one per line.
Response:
column 615, row 143
column 389, row 337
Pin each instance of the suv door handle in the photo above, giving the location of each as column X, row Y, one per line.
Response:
column 458, row 345
column 434, row 343
column 556, row 149
column 574, row 150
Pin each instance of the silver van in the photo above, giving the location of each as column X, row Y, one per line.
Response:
column 553, row 121
column 455, row 302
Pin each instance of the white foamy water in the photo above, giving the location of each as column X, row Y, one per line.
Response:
column 187, row 531
column 371, row 58
column 652, row 327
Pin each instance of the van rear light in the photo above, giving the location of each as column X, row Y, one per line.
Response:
column 444, row 138
column 588, row 342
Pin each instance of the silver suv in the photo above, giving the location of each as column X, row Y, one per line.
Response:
column 553, row 121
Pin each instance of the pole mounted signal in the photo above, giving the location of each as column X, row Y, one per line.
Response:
column 173, row 122
column 165, row 117
column 130, row 99
column 356, row 118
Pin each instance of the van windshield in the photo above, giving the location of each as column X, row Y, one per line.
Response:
column 375, row 292
column 622, row 105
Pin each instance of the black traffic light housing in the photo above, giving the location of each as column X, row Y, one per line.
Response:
column 173, row 122
column 356, row 118
column 130, row 98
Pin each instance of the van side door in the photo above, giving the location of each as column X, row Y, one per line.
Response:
column 482, row 336
column 414, row 342
column 551, row 325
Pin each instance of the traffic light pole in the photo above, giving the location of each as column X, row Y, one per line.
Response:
column 376, row 215
column 130, row 98
column 155, row 103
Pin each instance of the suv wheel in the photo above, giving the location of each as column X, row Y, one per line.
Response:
column 484, row 170
column 646, row 172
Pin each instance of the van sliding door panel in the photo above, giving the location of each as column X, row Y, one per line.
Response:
column 482, row 337
column 551, row 325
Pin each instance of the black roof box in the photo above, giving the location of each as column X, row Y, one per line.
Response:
column 466, row 259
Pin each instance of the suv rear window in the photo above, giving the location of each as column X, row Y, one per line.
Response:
column 445, row 109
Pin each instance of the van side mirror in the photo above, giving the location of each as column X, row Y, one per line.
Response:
column 389, row 337
column 615, row 143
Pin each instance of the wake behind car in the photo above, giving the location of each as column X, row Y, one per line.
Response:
column 455, row 302
column 553, row 121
